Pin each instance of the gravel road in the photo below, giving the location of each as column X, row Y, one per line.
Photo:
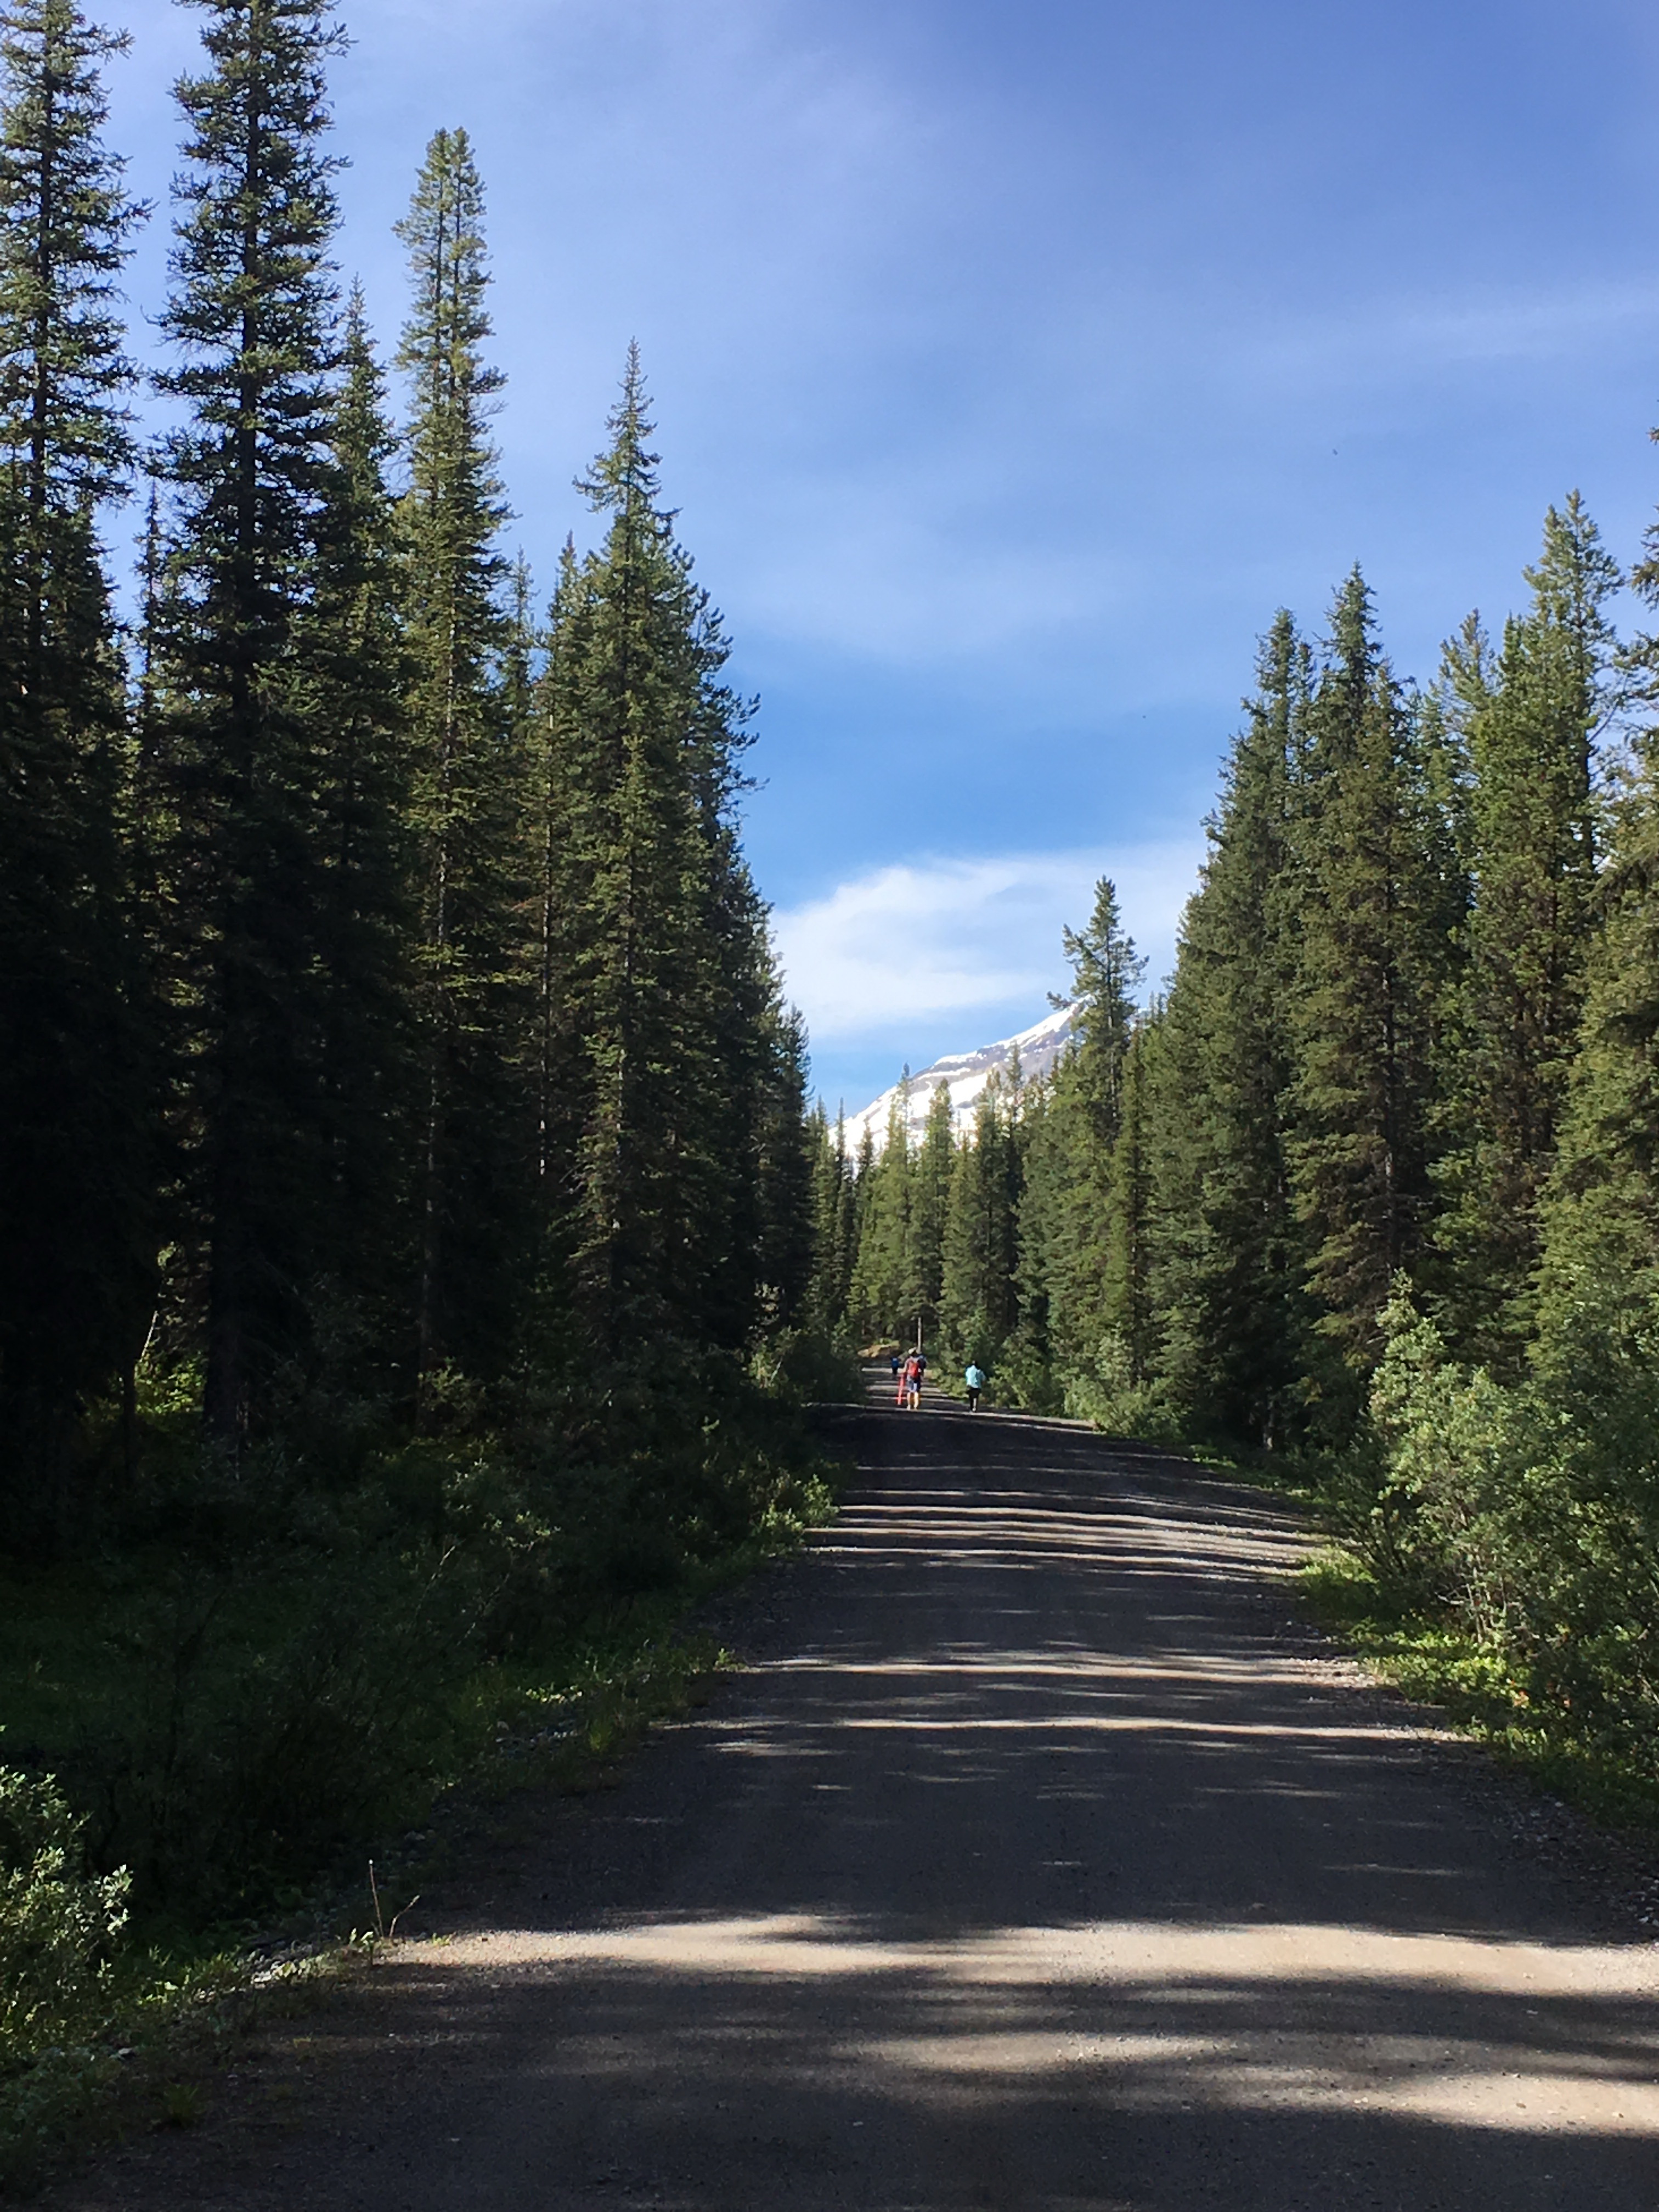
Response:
column 1040, row 1862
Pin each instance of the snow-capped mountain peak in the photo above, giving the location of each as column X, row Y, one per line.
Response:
column 965, row 1075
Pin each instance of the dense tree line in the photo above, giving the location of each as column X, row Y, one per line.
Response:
column 1355, row 1080
column 386, row 1010
column 1378, row 1176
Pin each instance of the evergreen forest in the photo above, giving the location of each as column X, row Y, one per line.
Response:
column 1372, row 1186
column 415, row 1244
column 405, row 1172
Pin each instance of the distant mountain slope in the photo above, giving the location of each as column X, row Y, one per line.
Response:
column 966, row 1074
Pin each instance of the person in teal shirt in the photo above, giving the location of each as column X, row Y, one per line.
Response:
column 975, row 1381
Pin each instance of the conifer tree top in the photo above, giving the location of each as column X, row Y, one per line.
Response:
column 622, row 479
column 65, row 224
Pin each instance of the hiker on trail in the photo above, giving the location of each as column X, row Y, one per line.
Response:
column 974, row 1379
column 914, row 1368
column 898, row 1362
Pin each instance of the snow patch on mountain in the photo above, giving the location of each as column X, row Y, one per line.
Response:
column 965, row 1075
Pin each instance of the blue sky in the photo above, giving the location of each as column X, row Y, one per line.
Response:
column 1012, row 363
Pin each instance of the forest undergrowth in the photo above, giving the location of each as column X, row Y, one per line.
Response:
column 258, row 1683
column 405, row 1223
column 1489, row 1552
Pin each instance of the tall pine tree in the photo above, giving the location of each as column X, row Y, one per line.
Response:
column 1528, row 718
column 1230, row 1252
column 1129, row 1308
column 980, row 1301
column 474, row 1171
column 1084, row 1118
column 669, row 1032
column 882, row 1296
column 351, row 678
column 252, row 314
column 1376, row 911
column 77, row 1221
column 930, row 1206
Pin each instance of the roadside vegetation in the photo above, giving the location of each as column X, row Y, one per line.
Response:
column 215, row 1723
column 1368, row 1200
column 405, row 1239
column 415, row 1254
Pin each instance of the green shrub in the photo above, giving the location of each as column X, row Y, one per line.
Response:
column 1113, row 1399
column 1528, row 1517
column 808, row 1366
column 60, row 1926
column 274, row 1713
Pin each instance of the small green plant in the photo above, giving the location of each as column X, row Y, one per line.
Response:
column 182, row 2105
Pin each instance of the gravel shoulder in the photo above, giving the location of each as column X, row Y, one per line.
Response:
column 1040, row 1858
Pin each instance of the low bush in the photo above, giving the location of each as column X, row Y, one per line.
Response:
column 1503, row 1540
column 61, row 1928
column 265, row 1670
column 809, row 1366
column 59, row 1924
column 268, row 1665
column 1113, row 1400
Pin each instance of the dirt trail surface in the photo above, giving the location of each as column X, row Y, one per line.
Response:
column 1040, row 1862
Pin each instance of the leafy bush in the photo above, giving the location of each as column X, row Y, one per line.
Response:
column 59, row 1925
column 273, row 1712
column 1113, row 1399
column 808, row 1366
column 1448, row 1516
column 1528, row 1517
column 1024, row 1379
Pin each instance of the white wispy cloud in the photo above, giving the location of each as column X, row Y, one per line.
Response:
column 1404, row 338
column 887, row 950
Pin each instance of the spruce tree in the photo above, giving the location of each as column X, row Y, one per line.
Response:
column 65, row 230
column 351, row 678
column 1375, row 910
column 547, row 799
column 832, row 1200
column 1083, row 1119
column 252, row 313
column 980, row 1301
column 475, row 1167
column 1601, row 1208
column 77, row 1224
column 1106, row 971
column 930, row 1203
column 1228, row 1257
column 1027, row 1376
column 787, row 1172
column 664, row 988
column 1528, row 718
column 882, row 1295
column 752, row 1116
column 859, row 1186
column 1129, row 1308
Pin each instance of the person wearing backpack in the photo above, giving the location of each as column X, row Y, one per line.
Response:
column 914, row 1368
column 974, row 1379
